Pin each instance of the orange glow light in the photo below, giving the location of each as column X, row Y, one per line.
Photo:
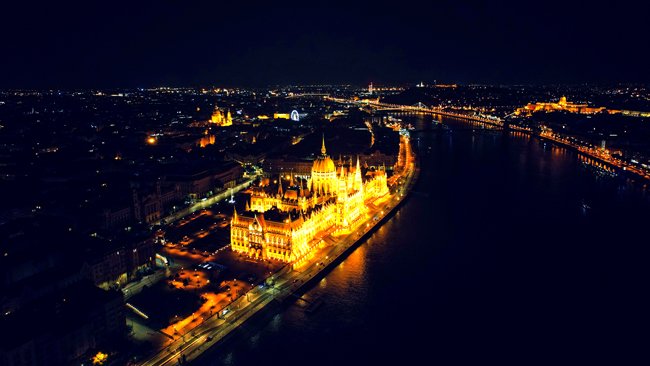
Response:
column 100, row 358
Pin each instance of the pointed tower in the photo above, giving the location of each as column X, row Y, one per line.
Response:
column 248, row 207
column 280, row 191
column 341, row 201
column 228, row 121
column 343, row 187
column 358, row 182
column 234, row 241
column 323, row 150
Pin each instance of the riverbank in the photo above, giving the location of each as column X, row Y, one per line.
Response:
column 286, row 282
column 303, row 280
column 475, row 260
column 606, row 159
column 497, row 122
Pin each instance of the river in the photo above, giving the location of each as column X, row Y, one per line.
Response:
column 508, row 251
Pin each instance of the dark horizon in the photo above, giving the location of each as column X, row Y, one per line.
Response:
column 151, row 44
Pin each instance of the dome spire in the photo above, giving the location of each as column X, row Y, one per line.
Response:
column 280, row 192
column 322, row 149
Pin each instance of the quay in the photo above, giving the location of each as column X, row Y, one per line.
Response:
column 288, row 282
column 598, row 155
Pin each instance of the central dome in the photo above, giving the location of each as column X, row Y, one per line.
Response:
column 323, row 174
column 324, row 164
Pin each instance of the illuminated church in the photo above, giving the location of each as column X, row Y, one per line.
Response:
column 285, row 215
column 221, row 119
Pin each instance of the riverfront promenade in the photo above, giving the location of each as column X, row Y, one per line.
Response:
column 599, row 154
column 287, row 281
column 546, row 134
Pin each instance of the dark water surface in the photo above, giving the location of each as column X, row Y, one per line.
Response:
column 492, row 260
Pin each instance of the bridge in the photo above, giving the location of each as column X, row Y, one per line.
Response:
column 594, row 153
column 420, row 107
column 308, row 95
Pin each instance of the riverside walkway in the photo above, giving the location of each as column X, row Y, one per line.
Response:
column 287, row 281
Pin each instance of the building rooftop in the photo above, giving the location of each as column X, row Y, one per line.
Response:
column 55, row 314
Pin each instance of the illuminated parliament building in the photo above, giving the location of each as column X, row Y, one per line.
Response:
column 285, row 215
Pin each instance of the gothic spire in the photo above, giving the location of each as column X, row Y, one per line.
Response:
column 280, row 185
column 322, row 149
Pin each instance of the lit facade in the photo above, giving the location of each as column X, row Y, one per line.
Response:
column 207, row 139
column 278, row 115
column 220, row 118
column 561, row 105
column 564, row 105
column 281, row 222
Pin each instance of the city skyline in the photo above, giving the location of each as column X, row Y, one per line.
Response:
column 323, row 183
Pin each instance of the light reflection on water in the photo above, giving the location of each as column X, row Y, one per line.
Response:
column 492, row 259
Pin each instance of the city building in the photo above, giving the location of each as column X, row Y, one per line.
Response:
column 282, row 165
column 294, row 115
column 281, row 222
column 207, row 139
column 111, row 264
column 200, row 181
column 62, row 327
column 561, row 105
column 51, row 313
column 148, row 203
column 220, row 118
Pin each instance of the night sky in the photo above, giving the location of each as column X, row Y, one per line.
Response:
column 192, row 43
